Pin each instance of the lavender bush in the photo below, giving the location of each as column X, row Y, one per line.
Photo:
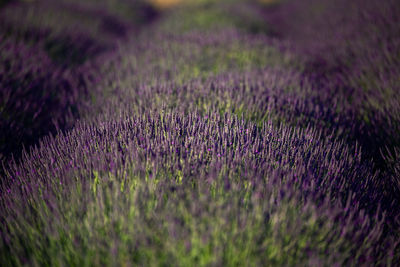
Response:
column 359, row 64
column 200, row 140
column 46, row 49
column 180, row 176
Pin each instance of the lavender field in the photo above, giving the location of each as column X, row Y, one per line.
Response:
column 200, row 133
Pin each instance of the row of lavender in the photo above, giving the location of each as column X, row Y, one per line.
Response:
column 45, row 71
column 355, row 53
column 351, row 49
column 215, row 146
column 173, row 188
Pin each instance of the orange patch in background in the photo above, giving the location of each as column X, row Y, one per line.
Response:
column 165, row 3
column 171, row 3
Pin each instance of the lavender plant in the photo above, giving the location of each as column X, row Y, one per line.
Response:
column 160, row 179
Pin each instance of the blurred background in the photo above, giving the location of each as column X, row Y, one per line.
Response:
column 46, row 47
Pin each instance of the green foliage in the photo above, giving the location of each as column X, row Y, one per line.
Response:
column 138, row 225
column 206, row 16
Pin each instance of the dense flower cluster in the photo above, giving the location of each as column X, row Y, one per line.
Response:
column 206, row 157
column 197, row 139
